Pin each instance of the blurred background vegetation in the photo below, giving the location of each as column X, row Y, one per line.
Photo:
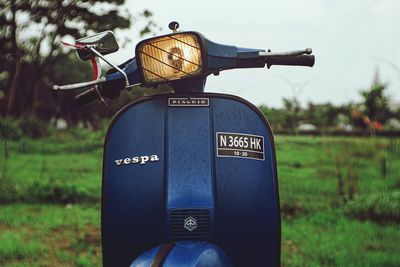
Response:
column 33, row 59
column 339, row 165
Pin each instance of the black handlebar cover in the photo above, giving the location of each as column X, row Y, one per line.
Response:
column 302, row 60
column 86, row 97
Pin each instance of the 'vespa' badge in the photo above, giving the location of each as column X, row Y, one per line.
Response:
column 142, row 160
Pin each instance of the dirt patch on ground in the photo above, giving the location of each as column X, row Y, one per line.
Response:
column 6, row 227
column 92, row 235
column 70, row 243
column 290, row 247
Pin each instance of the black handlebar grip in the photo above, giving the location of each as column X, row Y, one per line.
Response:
column 302, row 60
column 109, row 90
column 86, row 97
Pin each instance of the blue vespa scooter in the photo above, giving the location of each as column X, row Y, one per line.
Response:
column 189, row 178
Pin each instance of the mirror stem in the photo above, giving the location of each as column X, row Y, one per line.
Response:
column 111, row 64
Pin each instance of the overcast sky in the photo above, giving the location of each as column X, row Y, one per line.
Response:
column 350, row 39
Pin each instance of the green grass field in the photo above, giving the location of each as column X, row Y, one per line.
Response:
column 340, row 200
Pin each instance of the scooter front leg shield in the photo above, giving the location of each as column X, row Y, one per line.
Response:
column 190, row 167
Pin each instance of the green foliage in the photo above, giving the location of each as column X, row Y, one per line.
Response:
column 383, row 207
column 30, row 127
column 9, row 129
column 290, row 209
column 57, row 190
column 326, row 117
column 292, row 115
column 8, row 190
column 347, row 161
column 30, row 62
column 46, row 235
column 68, row 68
column 376, row 103
column 17, row 246
column 372, row 112
column 44, row 218
column 328, row 238
column 50, row 191
column 33, row 127
column 275, row 117
column 322, row 115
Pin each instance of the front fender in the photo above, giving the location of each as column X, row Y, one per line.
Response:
column 183, row 253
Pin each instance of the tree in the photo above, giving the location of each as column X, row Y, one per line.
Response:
column 30, row 31
column 276, row 117
column 292, row 116
column 375, row 101
column 321, row 115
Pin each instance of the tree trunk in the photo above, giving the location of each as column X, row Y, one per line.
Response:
column 17, row 55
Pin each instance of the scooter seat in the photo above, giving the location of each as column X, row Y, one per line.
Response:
column 183, row 253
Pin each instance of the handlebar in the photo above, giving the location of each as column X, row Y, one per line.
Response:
column 219, row 58
column 113, row 82
column 110, row 89
column 86, row 97
column 301, row 60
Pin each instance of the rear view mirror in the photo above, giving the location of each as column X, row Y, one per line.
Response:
column 104, row 42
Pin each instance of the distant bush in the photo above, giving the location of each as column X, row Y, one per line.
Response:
column 33, row 127
column 57, row 192
column 297, row 165
column 292, row 209
column 9, row 129
column 383, row 207
column 8, row 190
column 25, row 146
column 44, row 192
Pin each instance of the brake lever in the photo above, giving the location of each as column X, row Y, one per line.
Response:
column 82, row 85
column 306, row 51
column 111, row 64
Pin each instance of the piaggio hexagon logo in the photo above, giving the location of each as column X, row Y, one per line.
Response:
column 190, row 223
